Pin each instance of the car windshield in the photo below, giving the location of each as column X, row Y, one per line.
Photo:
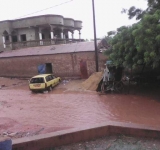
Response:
column 37, row 80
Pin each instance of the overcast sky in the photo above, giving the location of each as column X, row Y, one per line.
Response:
column 108, row 12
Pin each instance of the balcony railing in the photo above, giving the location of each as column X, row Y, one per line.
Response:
column 35, row 43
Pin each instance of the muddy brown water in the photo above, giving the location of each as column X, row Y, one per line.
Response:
column 30, row 114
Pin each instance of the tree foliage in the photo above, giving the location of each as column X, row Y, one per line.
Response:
column 138, row 44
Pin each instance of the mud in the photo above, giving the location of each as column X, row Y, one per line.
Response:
column 6, row 83
column 23, row 113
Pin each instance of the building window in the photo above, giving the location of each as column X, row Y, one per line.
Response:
column 23, row 37
column 7, row 38
column 49, row 36
column 14, row 38
column 43, row 36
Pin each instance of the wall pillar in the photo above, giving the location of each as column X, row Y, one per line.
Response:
column 52, row 37
column 19, row 38
column 3, row 38
column 10, row 40
column 72, row 35
column 79, row 35
column 62, row 35
column 40, row 38
column 67, row 35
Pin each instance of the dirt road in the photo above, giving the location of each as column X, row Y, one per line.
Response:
column 23, row 113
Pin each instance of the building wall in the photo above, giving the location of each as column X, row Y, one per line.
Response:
column 27, row 26
column 30, row 33
column 69, row 22
column 4, row 26
column 39, row 20
column 1, row 43
column 63, row 65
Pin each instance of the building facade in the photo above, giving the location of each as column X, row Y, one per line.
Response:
column 38, row 31
column 66, row 60
column 74, row 65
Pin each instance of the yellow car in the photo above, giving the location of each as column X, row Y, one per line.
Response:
column 43, row 82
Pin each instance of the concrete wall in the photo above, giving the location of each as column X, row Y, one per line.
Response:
column 4, row 26
column 24, row 24
column 38, row 20
column 78, row 24
column 51, row 140
column 69, row 22
column 63, row 65
column 30, row 33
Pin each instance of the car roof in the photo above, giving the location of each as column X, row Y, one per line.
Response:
column 41, row 75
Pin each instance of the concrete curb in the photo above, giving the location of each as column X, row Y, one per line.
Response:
column 51, row 140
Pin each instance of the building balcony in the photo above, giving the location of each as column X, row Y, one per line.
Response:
column 36, row 43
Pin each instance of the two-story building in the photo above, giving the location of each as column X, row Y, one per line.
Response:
column 38, row 31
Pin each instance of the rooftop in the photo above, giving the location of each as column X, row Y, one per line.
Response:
column 52, row 49
column 47, row 15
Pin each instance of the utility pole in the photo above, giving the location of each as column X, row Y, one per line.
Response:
column 95, row 38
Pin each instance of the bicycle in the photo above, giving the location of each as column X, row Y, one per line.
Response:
column 117, row 86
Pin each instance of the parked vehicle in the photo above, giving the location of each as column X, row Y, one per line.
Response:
column 43, row 82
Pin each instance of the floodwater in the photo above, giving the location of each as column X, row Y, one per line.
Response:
column 23, row 111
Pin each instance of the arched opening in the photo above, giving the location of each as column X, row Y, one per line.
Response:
column 57, row 33
column 6, row 36
column 76, row 34
column 66, row 34
column 46, row 34
column 69, row 34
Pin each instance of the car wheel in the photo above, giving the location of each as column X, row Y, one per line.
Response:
column 50, row 88
column 119, row 87
column 33, row 91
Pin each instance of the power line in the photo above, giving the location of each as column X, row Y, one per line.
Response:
column 45, row 9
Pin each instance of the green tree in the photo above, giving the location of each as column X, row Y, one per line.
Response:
column 138, row 44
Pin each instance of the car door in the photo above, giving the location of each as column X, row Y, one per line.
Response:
column 47, row 81
column 54, row 80
column 51, row 80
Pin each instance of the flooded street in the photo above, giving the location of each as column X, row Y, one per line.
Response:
column 63, row 108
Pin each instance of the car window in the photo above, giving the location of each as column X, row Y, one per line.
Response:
column 47, row 78
column 53, row 77
column 37, row 80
